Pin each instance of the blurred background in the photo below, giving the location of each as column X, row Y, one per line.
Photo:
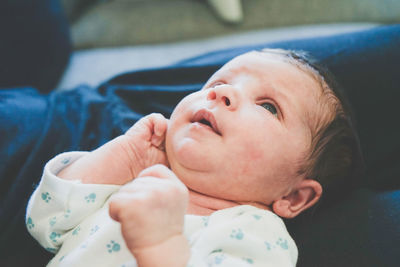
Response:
column 109, row 23
column 113, row 36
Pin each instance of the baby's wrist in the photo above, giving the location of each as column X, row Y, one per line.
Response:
column 174, row 251
column 133, row 161
column 109, row 164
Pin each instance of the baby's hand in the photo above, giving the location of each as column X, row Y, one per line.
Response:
column 123, row 158
column 145, row 142
column 151, row 210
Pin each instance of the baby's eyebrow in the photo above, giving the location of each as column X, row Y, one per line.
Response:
column 277, row 93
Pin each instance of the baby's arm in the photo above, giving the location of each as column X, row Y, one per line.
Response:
column 121, row 159
column 88, row 178
column 58, row 206
column 153, row 228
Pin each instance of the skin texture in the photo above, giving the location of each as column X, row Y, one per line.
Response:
column 256, row 153
column 239, row 140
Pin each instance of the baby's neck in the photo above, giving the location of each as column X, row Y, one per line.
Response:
column 200, row 204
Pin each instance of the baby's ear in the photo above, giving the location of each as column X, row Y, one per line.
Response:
column 306, row 193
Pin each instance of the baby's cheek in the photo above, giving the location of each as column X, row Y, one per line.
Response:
column 251, row 156
column 263, row 156
column 255, row 153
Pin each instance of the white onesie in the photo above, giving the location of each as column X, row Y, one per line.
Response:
column 71, row 219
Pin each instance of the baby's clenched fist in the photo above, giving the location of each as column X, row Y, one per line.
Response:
column 151, row 208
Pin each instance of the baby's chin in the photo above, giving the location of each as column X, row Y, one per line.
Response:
column 188, row 156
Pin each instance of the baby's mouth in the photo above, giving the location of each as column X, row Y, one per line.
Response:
column 206, row 118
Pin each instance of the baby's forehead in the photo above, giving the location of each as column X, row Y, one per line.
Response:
column 252, row 62
column 267, row 65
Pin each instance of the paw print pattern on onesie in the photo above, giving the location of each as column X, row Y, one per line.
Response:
column 113, row 247
column 29, row 223
column 248, row 260
column 46, row 197
column 67, row 213
column 53, row 221
column 280, row 243
column 54, row 236
column 76, row 230
column 90, row 198
column 237, row 234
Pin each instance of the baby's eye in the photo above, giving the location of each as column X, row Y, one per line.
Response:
column 270, row 107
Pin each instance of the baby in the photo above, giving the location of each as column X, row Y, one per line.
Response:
column 209, row 186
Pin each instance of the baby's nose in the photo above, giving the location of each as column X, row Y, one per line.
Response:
column 224, row 95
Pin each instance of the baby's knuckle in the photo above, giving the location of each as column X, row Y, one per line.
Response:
column 156, row 116
column 115, row 206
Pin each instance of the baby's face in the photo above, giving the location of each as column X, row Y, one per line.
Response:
column 244, row 135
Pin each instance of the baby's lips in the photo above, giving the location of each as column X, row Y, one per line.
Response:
column 204, row 116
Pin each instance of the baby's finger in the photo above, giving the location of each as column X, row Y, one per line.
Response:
column 160, row 124
column 143, row 127
column 158, row 141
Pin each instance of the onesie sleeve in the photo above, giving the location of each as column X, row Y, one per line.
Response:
column 57, row 206
column 243, row 236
